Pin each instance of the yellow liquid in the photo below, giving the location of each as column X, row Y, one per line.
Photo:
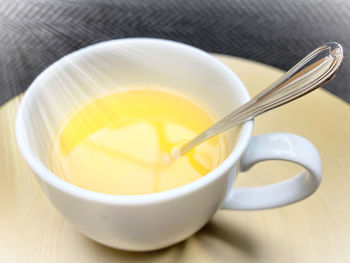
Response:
column 121, row 143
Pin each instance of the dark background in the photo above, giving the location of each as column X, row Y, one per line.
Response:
column 33, row 34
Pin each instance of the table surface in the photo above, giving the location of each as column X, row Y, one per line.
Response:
column 314, row 230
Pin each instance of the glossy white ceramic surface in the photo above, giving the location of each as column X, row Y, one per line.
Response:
column 148, row 222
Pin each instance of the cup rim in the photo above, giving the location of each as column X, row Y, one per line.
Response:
column 49, row 177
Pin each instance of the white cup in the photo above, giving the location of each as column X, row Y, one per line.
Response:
column 153, row 221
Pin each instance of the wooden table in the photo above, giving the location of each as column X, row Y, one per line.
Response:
column 314, row 230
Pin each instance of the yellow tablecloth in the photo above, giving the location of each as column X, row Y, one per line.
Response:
column 314, row 230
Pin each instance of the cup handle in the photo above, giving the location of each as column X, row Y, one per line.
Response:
column 277, row 146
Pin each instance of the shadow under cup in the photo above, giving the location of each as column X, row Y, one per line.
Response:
column 103, row 68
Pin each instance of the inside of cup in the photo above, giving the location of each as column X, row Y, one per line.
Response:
column 121, row 64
